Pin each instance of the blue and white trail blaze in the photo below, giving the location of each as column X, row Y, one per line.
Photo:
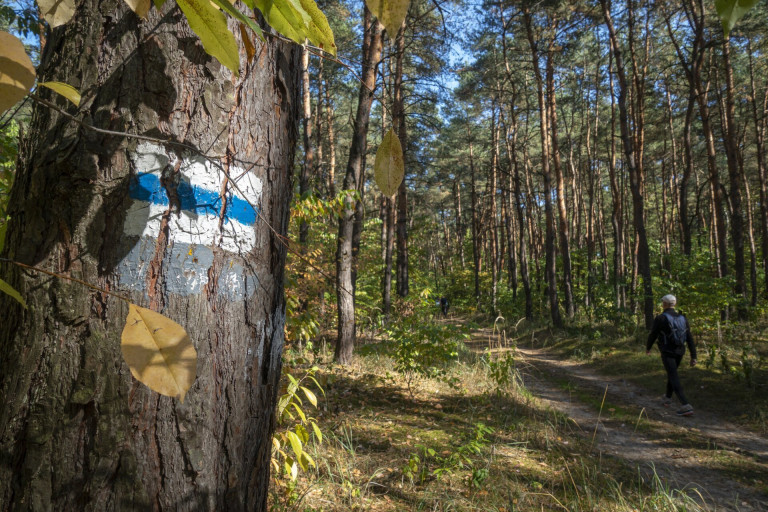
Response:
column 196, row 229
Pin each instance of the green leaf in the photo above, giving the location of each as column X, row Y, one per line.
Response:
column 319, row 32
column 310, row 396
column 8, row 290
column 17, row 74
column 295, row 443
column 65, row 90
column 731, row 11
column 230, row 9
column 210, row 25
column 317, row 431
column 285, row 16
column 389, row 168
column 298, row 410
column 158, row 4
column 3, row 229
column 390, row 13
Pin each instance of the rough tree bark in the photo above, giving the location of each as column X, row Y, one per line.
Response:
column 401, row 201
column 77, row 432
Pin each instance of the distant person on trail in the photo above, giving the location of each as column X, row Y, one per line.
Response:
column 673, row 333
column 444, row 306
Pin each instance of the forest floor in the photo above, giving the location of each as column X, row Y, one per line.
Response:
column 564, row 435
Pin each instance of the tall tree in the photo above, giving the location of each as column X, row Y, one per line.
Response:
column 76, row 431
column 353, row 180
column 631, row 159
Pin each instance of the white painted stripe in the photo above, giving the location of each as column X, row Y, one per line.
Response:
column 144, row 218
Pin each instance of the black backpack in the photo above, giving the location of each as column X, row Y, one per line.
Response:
column 678, row 328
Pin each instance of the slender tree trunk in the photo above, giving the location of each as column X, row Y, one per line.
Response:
column 388, row 239
column 550, row 265
column 493, row 224
column 77, row 432
column 345, row 255
column 459, row 220
column 759, row 122
column 398, row 120
column 307, row 169
column 565, row 253
column 643, row 258
column 475, row 226
column 617, row 212
column 331, row 144
column 735, row 179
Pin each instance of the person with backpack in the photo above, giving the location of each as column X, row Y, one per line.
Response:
column 673, row 333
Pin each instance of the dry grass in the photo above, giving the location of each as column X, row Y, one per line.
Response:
column 472, row 445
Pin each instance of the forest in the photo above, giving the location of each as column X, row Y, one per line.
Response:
column 384, row 255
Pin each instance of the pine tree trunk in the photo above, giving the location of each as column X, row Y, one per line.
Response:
column 345, row 248
column 77, row 432
column 398, row 120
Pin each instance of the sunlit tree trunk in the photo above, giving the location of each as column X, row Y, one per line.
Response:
column 399, row 122
column 77, row 432
column 565, row 252
column 550, row 249
column 345, row 254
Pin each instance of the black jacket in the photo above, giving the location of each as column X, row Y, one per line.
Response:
column 662, row 332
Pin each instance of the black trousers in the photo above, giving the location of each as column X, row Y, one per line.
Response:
column 671, row 363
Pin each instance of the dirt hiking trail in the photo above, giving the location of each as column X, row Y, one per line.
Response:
column 695, row 455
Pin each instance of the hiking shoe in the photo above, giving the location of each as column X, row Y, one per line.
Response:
column 686, row 410
column 666, row 401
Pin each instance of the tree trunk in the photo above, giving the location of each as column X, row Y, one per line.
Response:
column 550, row 249
column 762, row 174
column 398, row 120
column 735, row 181
column 565, row 252
column 475, row 226
column 77, row 432
column 345, row 255
column 630, row 153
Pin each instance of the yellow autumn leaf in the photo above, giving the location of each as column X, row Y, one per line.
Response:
column 65, row 90
column 140, row 7
column 390, row 13
column 389, row 168
column 159, row 352
column 57, row 12
column 17, row 74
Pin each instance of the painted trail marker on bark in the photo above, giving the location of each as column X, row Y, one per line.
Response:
column 203, row 218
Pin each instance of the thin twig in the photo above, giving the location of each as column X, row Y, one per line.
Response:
column 68, row 278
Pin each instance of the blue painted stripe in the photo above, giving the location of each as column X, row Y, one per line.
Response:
column 147, row 187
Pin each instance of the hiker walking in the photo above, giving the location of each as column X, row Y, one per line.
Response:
column 444, row 306
column 673, row 333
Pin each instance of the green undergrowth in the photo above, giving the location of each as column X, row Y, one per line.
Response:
column 458, row 433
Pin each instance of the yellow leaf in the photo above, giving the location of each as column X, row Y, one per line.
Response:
column 310, row 396
column 389, row 168
column 210, row 25
column 9, row 290
column 295, row 444
column 57, row 12
column 65, row 90
column 158, row 352
column 140, row 7
column 17, row 74
column 390, row 13
column 319, row 31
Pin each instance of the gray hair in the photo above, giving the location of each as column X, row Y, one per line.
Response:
column 669, row 299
